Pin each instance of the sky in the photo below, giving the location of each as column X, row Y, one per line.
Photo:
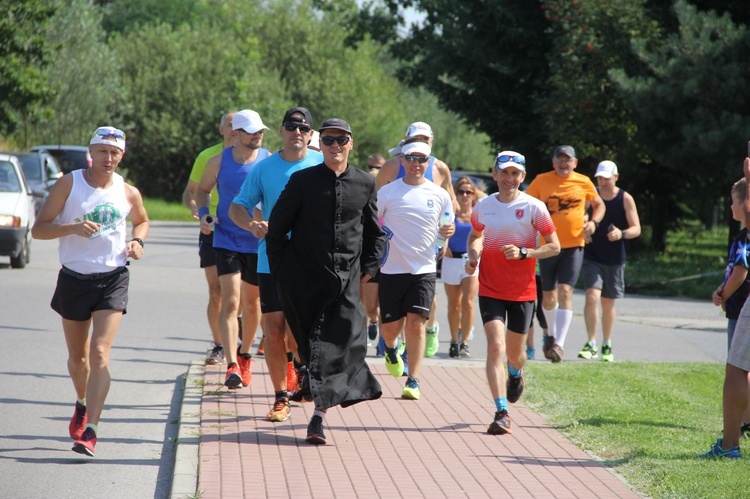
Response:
column 410, row 15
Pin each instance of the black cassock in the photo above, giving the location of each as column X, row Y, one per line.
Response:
column 335, row 237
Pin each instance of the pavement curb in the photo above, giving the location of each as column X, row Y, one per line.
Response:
column 187, row 459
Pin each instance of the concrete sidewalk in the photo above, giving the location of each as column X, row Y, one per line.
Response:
column 434, row 447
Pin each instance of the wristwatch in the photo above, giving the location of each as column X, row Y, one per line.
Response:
column 138, row 240
column 524, row 253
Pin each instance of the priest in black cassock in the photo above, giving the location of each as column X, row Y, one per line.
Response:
column 335, row 243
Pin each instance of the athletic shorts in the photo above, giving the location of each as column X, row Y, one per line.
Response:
column 739, row 350
column 454, row 270
column 561, row 269
column 206, row 250
column 538, row 310
column 375, row 279
column 405, row 293
column 231, row 262
column 609, row 278
column 269, row 295
column 78, row 295
column 516, row 315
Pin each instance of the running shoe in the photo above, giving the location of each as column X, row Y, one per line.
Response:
column 372, row 331
column 394, row 362
column 85, row 444
column 530, row 352
column 501, row 424
column 514, row 388
column 453, row 351
column 261, row 351
column 245, row 361
column 547, row 343
column 463, row 350
column 302, row 393
column 556, row 353
column 315, row 434
column 411, row 389
column 233, row 379
column 431, row 342
column 717, row 452
column 291, row 377
column 607, row 355
column 78, row 422
column 280, row 412
column 215, row 355
column 589, row 351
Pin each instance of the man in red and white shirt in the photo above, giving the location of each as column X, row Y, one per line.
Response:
column 504, row 233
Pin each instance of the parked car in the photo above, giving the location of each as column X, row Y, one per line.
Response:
column 17, row 212
column 41, row 171
column 68, row 157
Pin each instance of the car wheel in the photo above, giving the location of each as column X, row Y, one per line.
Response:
column 20, row 261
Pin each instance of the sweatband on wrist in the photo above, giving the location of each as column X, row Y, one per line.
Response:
column 202, row 211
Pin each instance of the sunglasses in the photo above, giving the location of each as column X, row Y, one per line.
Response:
column 413, row 157
column 505, row 158
column 372, row 167
column 341, row 140
column 462, row 192
column 302, row 128
column 110, row 132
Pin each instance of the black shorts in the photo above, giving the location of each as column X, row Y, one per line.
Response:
column 231, row 262
column 206, row 250
column 269, row 295
column 400, row 294
column 538, row 311
column 375, row 279
column 77, row 295
column 561, row 269
column 516, row 315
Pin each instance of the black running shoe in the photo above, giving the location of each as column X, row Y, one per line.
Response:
column 514, row 388
column 303, row 394
column 315, row 434
column 453, row 351
column 501, row 424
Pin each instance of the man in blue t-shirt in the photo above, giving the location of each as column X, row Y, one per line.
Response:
column 264, row 185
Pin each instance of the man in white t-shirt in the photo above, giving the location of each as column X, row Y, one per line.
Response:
column 504, row 233
column 411, row 208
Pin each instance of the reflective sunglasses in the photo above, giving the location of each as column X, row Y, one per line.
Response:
column 110, row 132
column 413, row 157
column 462, row 192
column 341, row 140
column 290, row 127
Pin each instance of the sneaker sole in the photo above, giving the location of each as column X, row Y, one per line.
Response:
column 82, row 449
column 315, row 439
column 275, row 419
column 554, row 357
column 410, row 395
column 498, row 430
column 233, row 381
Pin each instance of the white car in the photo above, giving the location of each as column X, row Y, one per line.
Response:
column 17, row 212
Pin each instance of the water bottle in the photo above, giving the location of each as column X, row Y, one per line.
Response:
column 444, row 220
column 210, row 221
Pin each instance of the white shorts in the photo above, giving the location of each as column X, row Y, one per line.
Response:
column 454, row 270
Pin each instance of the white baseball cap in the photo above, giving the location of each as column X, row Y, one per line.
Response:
column 249, row 121
column 419, row 128
column 108, row 135
column 606, row 169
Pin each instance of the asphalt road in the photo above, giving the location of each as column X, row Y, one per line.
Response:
column 164, row 331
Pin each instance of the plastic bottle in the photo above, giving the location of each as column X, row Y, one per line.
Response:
column 444, row 220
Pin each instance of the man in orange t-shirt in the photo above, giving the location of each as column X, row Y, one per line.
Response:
column 566, row 194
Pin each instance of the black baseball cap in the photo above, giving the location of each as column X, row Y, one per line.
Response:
column 336, row 124
column 290, row 118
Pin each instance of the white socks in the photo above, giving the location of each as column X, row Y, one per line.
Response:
column 562, row 324
column 550, row 316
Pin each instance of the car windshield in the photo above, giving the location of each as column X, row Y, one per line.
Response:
column 69, row 160
column 9, row 181
column 30, row 166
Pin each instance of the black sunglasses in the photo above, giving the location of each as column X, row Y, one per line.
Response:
column 341, row 140
column 413, row 157
column 289, row 127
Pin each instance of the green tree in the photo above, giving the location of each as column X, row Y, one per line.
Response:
column 179, row 81
column 23, row 54
column 693, row 116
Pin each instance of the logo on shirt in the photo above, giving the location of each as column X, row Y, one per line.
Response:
column 430, row 203
column 106, row 215
column 519, row 213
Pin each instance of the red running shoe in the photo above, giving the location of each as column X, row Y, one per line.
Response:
column 78, row 422
column 245, row 370
column 233, row 379
column 85, row 445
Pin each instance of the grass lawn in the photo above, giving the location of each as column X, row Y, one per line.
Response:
column 158, row 209
column 647, row 421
